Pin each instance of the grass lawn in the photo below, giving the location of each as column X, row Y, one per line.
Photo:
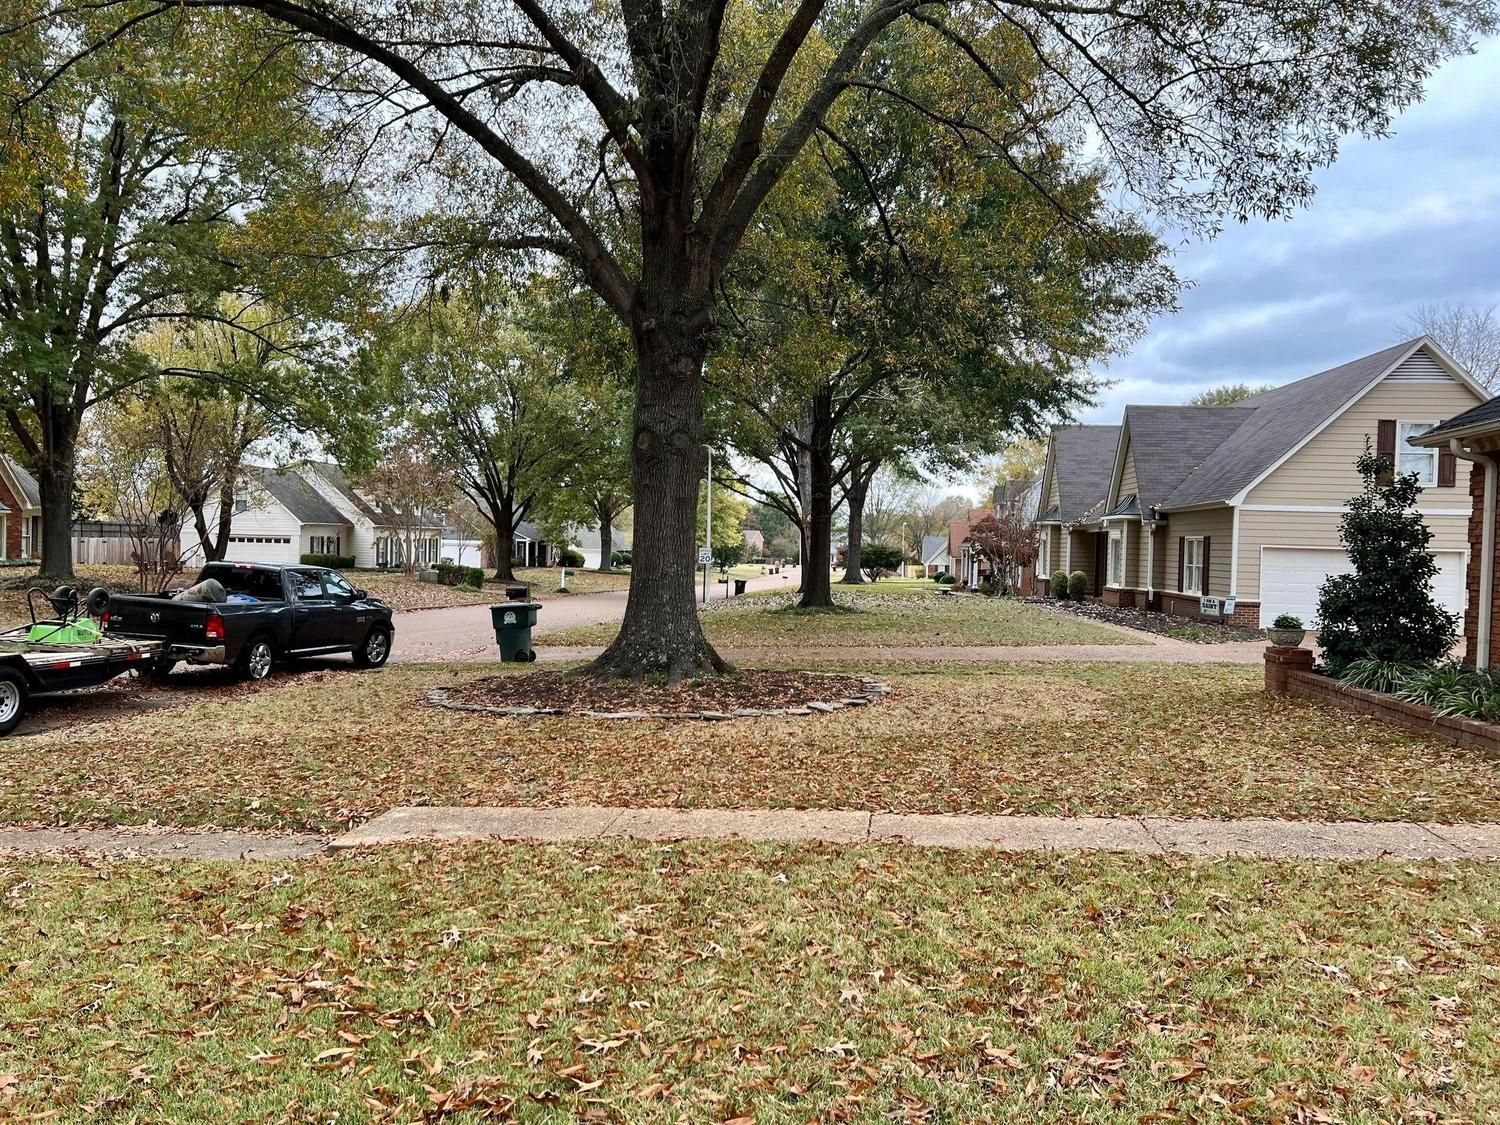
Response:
column 731, row 982
column 328, row 747
column 875, row 617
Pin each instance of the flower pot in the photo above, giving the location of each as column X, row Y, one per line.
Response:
column 1287, row 638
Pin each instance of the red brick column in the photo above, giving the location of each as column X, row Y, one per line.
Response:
column 1281, row 662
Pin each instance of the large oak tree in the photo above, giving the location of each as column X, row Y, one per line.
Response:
column 639, row 140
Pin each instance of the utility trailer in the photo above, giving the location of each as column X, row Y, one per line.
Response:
column 63, row 653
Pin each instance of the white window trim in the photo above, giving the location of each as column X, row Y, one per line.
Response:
column 1043, row 554
column 1188, row 586
column 1114, row 559
column 1430, row 454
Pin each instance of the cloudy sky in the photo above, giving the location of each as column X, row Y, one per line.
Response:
column 1411, row 219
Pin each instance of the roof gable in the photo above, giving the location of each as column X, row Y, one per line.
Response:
column 1082, row 458
column 294, row 493
column 1280, row 421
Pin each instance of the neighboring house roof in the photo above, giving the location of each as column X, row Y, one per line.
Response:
column 1167, row 443
column 528, row 531
column 377, row 512
column 932, row 547
column 587, row 538
column 754, row 538
column 30, row 492
column 1022, row 496
column 1282, row 419
column 1478, row 419
column 292, row 491
column 1083, row 458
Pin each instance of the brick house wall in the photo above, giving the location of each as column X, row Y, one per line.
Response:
column 1476, row 559
column 12, row 520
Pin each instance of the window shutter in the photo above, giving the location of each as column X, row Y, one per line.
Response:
column 1447, row 468
column 1204, row 583
column 1385, row 439
column 1181, row 551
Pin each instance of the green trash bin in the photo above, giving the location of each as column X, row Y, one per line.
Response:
column 513, row 622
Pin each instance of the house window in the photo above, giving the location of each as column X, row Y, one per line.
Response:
column 323, row 544
column 1043, row 562
column 1116, row 559
column 1192, row 565
column 241, row 497
column 28, row 537
column 1412, row 458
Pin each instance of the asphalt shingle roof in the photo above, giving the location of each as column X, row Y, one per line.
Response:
column 1278, row 420
column 1084, row 460
column 288, row 488
column 1168, row 443
column 932, row 546
column 31, row 492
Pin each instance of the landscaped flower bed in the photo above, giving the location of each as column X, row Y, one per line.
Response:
column 1150, row 621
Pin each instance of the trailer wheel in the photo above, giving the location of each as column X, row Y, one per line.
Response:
column 13, row 699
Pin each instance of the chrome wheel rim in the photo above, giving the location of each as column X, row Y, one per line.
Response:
column 260, row 661
column 10, row 701
column 376, row 646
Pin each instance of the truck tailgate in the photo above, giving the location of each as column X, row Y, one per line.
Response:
column 160, row 618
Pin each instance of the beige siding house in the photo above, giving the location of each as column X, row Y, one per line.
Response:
column 1241, row 504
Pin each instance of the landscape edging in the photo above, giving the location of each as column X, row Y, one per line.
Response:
column 874, row 691
column 1471, row 733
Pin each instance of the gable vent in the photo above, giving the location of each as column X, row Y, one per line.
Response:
column 1420, row 367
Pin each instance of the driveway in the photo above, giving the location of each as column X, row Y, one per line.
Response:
column 465, row 633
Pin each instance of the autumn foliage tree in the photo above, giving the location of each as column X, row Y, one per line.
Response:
column 1007, row 542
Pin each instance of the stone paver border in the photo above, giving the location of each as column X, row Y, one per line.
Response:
column 1265, row 838
column 874, row 691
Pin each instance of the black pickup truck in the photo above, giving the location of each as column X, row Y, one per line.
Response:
column 270, row 612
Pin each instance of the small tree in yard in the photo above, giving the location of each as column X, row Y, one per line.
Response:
column 413, row 490
column 880, row 559
column 1007, row 542
column 1384, row 610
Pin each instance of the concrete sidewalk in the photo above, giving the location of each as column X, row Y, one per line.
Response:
column 160, row 843
column 1275, row 839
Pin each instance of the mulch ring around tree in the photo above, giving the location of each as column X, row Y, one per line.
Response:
column 747, row 695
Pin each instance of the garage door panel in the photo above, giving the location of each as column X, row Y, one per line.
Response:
column 1292, row 576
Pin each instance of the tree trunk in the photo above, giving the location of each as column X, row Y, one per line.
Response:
column 503, row 520
column 54, row 478
column 859, row 490
column 817, row 577
column 606, row 515
column 219, row 548
column 661, row 634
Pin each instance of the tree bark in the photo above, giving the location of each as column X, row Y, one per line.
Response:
column 54, row 478
column 817, row 577
column 220, row 545
column 661, row 634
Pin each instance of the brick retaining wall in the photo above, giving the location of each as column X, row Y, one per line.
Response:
column 1289, row 672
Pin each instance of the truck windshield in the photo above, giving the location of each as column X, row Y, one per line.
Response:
column 250, row 581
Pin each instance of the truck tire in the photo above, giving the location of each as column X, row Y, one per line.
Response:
column 375, row 649
column 14, row 695
column 257, row 658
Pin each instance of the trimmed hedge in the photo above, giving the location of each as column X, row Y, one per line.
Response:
column 944, row 579
column 332, row 562
column 569, row 557
column 1078, row 585
column 1059, row 585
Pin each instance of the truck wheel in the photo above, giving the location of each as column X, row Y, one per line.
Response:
column 257, row 658
column 13, row 699
column 375, row 649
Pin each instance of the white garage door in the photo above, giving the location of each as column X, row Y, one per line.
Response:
column 1290, row 578
column 260, row 548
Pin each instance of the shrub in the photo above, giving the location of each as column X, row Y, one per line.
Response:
column 1452, row 689
column 569, row 557
column 944, row 579
column 619, row 558
column 1078, row 585
column 1287, row 621
column 473, row 577
column 333, row 562
column 1384, row 610
column 1059, row 585
column 1378, row 675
